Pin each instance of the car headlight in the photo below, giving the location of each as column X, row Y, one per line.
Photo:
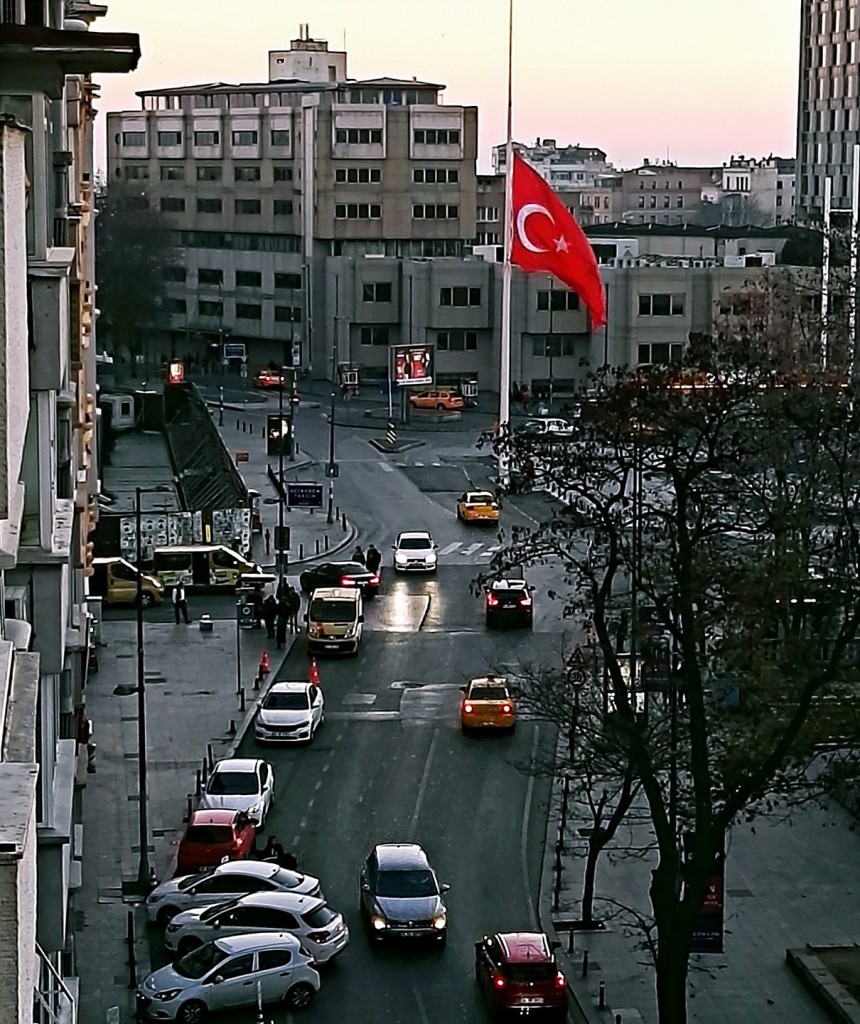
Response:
column 254, row 812
column 378, row 923
column 314, row 629
column 400, row 558
column 431, row 557
column 154, row 897
column 440, row 921
column 164, row 997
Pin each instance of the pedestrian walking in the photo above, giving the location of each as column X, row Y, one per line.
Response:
column 373, row 559
column 294, row 603
column 267, row 539
column 180, row 603
column 524, row 398
column 257, row 602
column 283, row 617
column 358, row 555
column 270, row 613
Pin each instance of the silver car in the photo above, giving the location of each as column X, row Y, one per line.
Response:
column 227, row 974
column 227, row 882
column 241, row 784
column 322, row 932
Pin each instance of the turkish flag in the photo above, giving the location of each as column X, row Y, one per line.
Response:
column 546, row 239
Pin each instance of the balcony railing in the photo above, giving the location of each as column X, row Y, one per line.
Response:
column 55, row 1003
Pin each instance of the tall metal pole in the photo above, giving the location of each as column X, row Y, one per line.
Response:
column 551, row 334
column 279, row 545
column 331, row 470
column 504, row 469
column 825, row 269
column 292, row 413
column 852, row 283
column 143, row 866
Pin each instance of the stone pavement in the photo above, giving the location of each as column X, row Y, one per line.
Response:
column 788, row 883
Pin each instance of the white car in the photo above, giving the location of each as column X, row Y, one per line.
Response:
column 227, row 882
column 241, row 784
column 414, row 551
column 322, row 932
column 290, row 713
column 549, row 427
column 226, row 975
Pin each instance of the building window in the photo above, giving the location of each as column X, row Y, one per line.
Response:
column 136, row 172
column 174, row 274
column 248, row 311
column 661, row 305
column 435, row 211
column 357, row 211
column 281, row 173
column 288, row 282
column 169, row 138
column 280, row 137
column 779, row 200
column 172, row 172
column 134, row 138
column 288, row 315
column 208, row 308
column 359, row 136
column 553, row 346
column 283, row 207
column 247, row 206
column 456, row 341
column 380, row 291
column 375, row 335
column 666, row 201
column 486, row 213
column 244, row 137
column 207, row 138
column 209, row 173
column 436, row 137
column 459, row 296
column 652, row 201
column 679, row 202
column 172, row 204
column 660, row 354
column 558, row 299
column 435, row 175
column 176, row 306
column 210, row 275
column 357, row 176
column 246, row 173
column 208, row 205
column 641, row 202
column 248, row 278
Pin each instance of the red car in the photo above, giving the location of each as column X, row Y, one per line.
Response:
column 212, row 837
column 269, row 379
column 518, row 973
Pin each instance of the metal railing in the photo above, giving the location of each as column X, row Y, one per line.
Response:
column 49, row 999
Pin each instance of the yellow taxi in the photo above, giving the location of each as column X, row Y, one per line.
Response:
column 477, row 507
column 487, row 704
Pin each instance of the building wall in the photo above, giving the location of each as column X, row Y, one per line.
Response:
column 663, row 193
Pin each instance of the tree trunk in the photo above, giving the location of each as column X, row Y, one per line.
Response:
column 672, row 961
column 595, row 846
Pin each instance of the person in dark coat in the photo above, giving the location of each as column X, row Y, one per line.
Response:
column 374, row 559
column 294, row 603
column 358, row 554
column 180, row 603
column 270, row 613
column 257, row 602
column 283, row 617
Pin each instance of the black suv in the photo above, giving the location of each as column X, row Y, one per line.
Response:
column 400, row 895
column 509, row 603
column 340, row 574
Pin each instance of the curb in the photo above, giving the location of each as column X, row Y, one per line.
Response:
column 349, row 537
column 434, row 428
column 251, row 710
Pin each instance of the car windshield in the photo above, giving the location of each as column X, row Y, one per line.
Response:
column 524, row 973
column 186, row 883
column 209, row 834
column 201, row 960
column 212, row 912
column 286, row 879
column 415, row 543
column 480, row 499
column 291, row 701
column 488, row 693
column 324, row 610
column 232, row 784
column 319, row 917
column 406, row 884
column 351, row 568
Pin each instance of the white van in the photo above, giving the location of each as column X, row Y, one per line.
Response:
column 334, row 620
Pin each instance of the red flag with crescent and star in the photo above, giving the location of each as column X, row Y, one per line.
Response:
column 546, row 239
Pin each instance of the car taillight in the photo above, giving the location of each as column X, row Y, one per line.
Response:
column 374, row 579
column 468, row 708
column 499, row 981
column 347, row 582
column 525, row 601
column 560, row 980
column 318, row 936
column 492, row 600
column 506, row 708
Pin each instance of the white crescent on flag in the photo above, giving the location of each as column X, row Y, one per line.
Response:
column 522, row 217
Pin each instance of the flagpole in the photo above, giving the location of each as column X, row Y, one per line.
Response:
column 504, row 474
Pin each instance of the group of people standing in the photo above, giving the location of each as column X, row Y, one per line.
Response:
column 372, row 558
column 279, row 612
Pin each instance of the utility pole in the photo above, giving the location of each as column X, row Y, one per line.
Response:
column 143, row 868
column 332, row 468
column 280, row 542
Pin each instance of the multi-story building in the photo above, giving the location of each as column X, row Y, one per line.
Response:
column 759, row 192
column 262, row 182
column 48, row 483
column 828, row 104
column 664, row 193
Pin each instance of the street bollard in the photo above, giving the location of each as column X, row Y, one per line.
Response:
column 241, row 698
column 312, row 510
column 343, row 520
column 316, row 545
column 189, row 805
column 257, row 681
column 301, row 552
column 337, row 512
column 237, row 424
column 210, row 756
column 556, row 894
column 570, row 942
column 617, row 1018
column 231, row 728
column 205, row 770
column 585, row 964
column 601, row 996
column 244, row 427
column 132, row 957
column 197, row 783
column 326, row 542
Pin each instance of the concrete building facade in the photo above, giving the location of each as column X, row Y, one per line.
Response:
column 48, row 480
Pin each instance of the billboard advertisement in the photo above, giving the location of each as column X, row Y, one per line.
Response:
column 412, row 364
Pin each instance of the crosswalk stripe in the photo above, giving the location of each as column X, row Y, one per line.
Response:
column 471, row 549
column 386, row 467
column 451, row 547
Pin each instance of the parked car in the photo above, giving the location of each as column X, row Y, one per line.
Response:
column 518, row 974
column 268, row 380
column 290, row 713
column 241, row 784
column 400, row 896
column 437, row 398
column 214, row 836
column 322, row 932
column 226, row 975
column 548, row 427
column 116, row 580
column 477, row 507
column 340, row 574
column 414, row 551
column 509, row 602
column 488, row 704
column 224, row 883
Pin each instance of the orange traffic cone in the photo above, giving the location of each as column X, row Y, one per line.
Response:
column 264, row 663
column 314, row 674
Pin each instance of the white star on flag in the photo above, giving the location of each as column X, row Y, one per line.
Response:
column 561, row 244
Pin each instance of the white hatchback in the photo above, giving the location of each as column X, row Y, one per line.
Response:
column 290, row 713
column 322, row 932
column 414, row 551
column 241, row 784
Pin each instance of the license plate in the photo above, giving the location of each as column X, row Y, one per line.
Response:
column 332, row 647
column 531, row 1001
column 409, row 934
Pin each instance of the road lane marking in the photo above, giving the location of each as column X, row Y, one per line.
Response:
column 326, row 766
column 422, row 789
column 524, row 833
column 386, row 467
column 451, row 547
column 318, row 786
column 471, row 549
column 422, row 1009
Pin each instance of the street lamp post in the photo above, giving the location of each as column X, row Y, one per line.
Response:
column 280, row 543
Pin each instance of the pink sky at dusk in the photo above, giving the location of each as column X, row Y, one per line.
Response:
column 697, row 81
